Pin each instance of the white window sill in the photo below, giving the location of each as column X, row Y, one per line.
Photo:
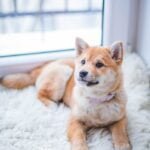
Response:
column 26, row 63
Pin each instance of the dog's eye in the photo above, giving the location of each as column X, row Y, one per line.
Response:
column 99, row 65
column 83, row 61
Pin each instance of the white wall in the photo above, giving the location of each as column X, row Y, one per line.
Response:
column 120, row 22
column 143, row 35
column 116, row 17
column 129, row 21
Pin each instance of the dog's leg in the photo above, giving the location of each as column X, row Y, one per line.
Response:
column 77, row 135
column 43, row 97
column 119, row 135
column 51, row 83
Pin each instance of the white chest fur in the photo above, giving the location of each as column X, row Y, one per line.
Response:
column 96, row 114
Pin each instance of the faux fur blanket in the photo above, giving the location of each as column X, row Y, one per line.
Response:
column 26, row 124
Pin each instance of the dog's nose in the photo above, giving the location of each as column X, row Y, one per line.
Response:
column 83, row 74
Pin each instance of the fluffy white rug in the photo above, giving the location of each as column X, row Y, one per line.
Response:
column 25, row 124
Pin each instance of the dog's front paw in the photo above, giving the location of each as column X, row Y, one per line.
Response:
column 79, row 146
column 122, row 146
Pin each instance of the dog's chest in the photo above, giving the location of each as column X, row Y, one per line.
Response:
column 97, row 114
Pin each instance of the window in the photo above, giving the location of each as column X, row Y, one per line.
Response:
column 30, row 27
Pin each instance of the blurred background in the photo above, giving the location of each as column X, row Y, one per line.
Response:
column 34, row 31
column 39, row 25
column 19, row 16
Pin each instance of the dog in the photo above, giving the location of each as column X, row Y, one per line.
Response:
column 91, row 85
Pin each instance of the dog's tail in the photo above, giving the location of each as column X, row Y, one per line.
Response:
column 21, row 80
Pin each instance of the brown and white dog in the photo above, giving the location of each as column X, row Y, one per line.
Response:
column 91, row 85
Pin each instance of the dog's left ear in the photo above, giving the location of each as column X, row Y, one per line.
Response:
column 81, row 45
column 117, row 52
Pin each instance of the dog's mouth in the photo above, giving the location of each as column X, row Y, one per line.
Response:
column 88, row 83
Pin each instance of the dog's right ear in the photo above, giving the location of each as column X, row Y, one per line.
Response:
column 81, row 46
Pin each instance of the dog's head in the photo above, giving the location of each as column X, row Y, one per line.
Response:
column 97, row 66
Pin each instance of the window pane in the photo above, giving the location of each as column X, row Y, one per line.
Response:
column 47, row 22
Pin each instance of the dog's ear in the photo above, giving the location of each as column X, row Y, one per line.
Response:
column 117, row 52
column 81, row 45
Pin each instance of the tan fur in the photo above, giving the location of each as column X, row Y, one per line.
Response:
column 59, row 80
column 47, row 83
column 77, row 135
column 21, row 80
column 119, row 135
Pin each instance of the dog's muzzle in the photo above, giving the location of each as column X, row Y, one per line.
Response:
column 88, row 83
